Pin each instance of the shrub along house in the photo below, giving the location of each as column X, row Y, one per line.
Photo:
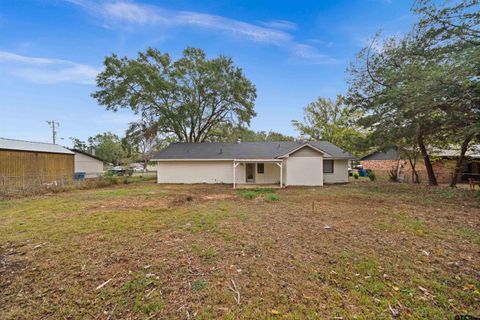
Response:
column 25, row 164
column 253, row 163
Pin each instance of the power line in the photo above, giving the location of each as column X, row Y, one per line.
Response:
column 53, row 124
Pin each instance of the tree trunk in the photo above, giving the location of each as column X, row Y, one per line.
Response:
column 432, row 180
column 459, row 163
column 398, row 171
column 413, row 165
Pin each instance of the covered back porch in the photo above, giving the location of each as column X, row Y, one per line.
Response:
column 257, row 173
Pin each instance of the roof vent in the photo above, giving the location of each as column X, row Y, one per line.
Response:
column 221, row 151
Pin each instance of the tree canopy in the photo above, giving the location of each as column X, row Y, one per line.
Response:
column 229, row 133
column 423, row 86
column 144, row 139
column 107, row 146
column 188, row 98
column 333, row 121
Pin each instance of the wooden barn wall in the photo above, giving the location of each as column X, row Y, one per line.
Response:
column 23, row 169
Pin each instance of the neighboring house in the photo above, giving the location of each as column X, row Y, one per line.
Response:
column 284, row 163
column 88, row 163
column 443, row 162
column 25, row 163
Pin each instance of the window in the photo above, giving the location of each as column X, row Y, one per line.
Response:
column 260, row 168
column 327, row 166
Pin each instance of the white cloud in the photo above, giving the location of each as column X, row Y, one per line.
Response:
column 280, row 24
column 132, row 13
column 47, row 70
column 310, row 53
column 327, row 44
column 128, row 14
column 253, row 32
column 13, row 57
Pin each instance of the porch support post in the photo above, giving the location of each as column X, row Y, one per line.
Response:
column 280, row 165
column 235, row 165
column 281, row 174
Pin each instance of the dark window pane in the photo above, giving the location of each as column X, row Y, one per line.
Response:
column 260, row 168
column 327, row 166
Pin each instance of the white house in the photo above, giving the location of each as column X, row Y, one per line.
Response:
column 88, row 163
column 283, row 163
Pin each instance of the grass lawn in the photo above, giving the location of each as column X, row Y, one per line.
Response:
column 366, row 250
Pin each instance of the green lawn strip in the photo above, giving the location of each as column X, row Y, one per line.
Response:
column 267, row 193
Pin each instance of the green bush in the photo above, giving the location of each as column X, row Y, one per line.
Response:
column 372, row 176
column 108, row 174
column 355, row 175
column 198, row 285
column 254, row 193
column 272, row 197
column 249, row 194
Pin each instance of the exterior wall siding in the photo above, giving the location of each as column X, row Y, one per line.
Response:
column 305, row 171
column 212, row 172
column 195, row 172
column 340, row 172
column 91, row 166
column 300, row 169
column 306, row 152
column 23, row 169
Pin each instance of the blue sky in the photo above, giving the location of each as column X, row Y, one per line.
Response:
column 293, row 51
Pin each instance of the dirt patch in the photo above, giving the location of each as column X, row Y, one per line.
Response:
column 221, row 196
column 180, row 200
column 149, row 201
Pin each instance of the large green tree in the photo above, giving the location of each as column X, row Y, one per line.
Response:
column 422, row 86
column 188, row 98
column 107, row 146
column 333, row 121
column 144, row 138
column 452, row 34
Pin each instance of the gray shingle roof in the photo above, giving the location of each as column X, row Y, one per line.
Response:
column 243, row 150
column 21, row 145
column 388, row 154
column 392, row 154
column 86, row 154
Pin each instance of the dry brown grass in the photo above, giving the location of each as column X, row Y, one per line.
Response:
column 173, row 251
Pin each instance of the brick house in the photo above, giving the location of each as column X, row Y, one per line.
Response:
column 443, row 162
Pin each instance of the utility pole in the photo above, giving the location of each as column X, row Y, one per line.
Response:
column 53, row 124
